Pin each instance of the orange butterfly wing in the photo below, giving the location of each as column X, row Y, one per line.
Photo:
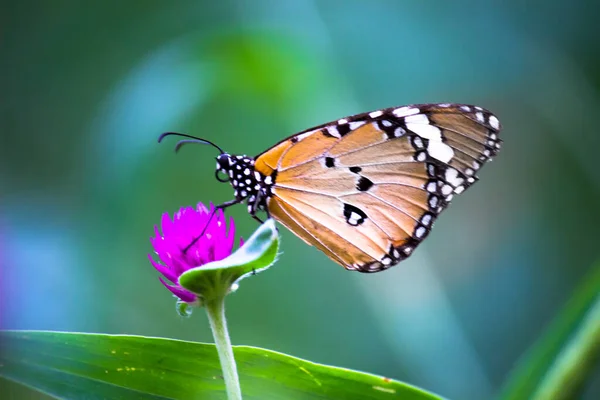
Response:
column 366, row 189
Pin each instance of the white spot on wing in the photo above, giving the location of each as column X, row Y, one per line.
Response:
column 354, row 218
column 426, row 220
column 417, row 119
column 419, row 124
column 440, row 151
column 479, row 116
column 453, row 178
column 304, row 135
column 404, row 111
column 342, row 121
column 356, row 124
column 494, row 123
column 333, row 131
column 433, row 201
column 446, row 190
column 426, row 131
column 376, row 114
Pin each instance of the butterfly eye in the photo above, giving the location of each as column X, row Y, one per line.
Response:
column 224, row 164
column 222, row 176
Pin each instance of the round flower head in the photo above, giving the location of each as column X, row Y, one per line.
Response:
column 172, row 245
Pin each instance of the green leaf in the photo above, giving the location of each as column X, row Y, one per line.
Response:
column 215, row 279
column 556, row 348
column 92, row 366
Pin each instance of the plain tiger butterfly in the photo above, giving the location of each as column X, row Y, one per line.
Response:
column 365, row 189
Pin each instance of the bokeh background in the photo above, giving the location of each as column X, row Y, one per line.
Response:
column 88, row 86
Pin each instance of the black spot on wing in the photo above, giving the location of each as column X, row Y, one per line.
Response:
column 364, row 184
column 354, row 215
column 343, row 129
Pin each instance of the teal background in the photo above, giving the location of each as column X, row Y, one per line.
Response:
column 87, row 87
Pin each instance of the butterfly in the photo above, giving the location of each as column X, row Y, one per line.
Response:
column 365, row 189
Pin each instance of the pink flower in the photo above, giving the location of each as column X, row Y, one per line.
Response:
column 188, row 223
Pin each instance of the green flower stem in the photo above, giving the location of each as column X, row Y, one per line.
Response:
column 576, row 361
column 216, row 315
column 213, row 281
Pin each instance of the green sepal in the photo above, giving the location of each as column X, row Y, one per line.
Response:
column 216, row 279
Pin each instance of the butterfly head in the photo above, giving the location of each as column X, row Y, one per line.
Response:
column 248, row 184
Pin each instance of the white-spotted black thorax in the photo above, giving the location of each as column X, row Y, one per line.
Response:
column 248, row 184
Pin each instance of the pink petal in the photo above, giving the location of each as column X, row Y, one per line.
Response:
column 201, row 208
column 166, row 223
column 167, row 272
column 224, row 242
column 183, row 294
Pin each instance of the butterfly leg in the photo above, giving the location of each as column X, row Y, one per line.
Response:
column 226, row 204
column 252, row 209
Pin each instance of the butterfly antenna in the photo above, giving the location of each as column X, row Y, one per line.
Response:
column 194, row 140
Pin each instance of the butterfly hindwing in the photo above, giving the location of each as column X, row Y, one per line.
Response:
column 366, row 189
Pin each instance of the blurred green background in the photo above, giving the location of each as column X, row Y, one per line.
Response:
column 87, row 87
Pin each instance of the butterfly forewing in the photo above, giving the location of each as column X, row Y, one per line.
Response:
column 366, row 189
